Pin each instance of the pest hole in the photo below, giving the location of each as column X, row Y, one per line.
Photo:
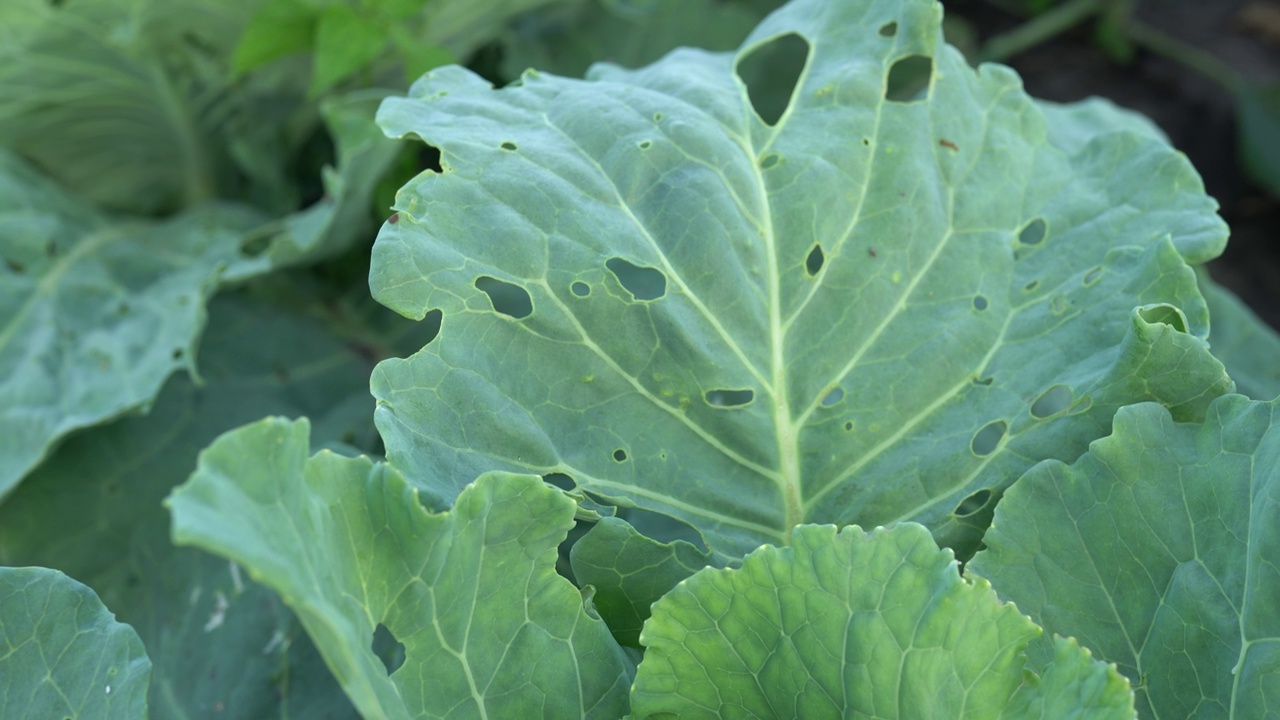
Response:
column 1033, row 233
column 580, row 289
column 770, row 72
column 813, row 263
column 510, row 300
column 866, row 142
column 657, row 117
column 986, row 381
column 620, row 455
column 979, row 303
column 1165, row 314
column 644, row 144
column 644, row 283
column 177, row 353
column 560, row 480
column 769, row 161
column 430, row 329
column 848, row 425
column 1092, row 276
column 908, row 79
column 985, row 440
column 729, row 398
column 973, row 503
column 889, row 29
column 1051, row 402
column 1031, row 286
column 388, row 649
column 833, row 397
column 509, row 146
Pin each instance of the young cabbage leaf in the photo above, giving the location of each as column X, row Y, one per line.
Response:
column 884, row 304
column 1158, row 549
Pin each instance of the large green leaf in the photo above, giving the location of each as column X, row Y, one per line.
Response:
column 489, row 629
column 856, row 625
column 220, row 643
column 874, row 310
column 1246, row 345
column 62, row 655
column 1158, row 549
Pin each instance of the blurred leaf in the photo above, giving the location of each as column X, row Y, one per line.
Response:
column 63, row 655
column 217, row 639
column 1247, row 346
column 280, row 28
column 417, row 56
column 346, row 42
column 1258, row 119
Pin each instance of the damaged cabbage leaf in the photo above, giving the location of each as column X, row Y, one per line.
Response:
column 62, row 654
column 883, row 304
column 857, row 624
column 488, row 628
column 1157, row 549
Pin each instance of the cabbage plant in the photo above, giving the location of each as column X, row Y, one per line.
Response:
column 888, row 396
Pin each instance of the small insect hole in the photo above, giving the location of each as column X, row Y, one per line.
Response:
column 979, row 303
column 813, row 263
column 729, row 398
column 177, row 353
column 769, row 161
column 771, row 73
column 507, row 299
column 889, row 29
column 832, row 397
column 644, row 283
column 1052, row 401
column 644, row 144
column 1033, row 233
column 619, row 455
column 580, row 289
column 848, row 425
column 986, row 381
column 388, row 649
column 908, row 79
column 560, row 480
column 988, row 438
column 1031, row 286
column 1092, row 276
column 509, row 146
column 973, row 503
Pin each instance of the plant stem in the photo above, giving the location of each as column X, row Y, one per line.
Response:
column 1182, row 53
column 1052, row 23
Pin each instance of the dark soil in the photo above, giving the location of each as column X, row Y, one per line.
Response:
column 1196, row 113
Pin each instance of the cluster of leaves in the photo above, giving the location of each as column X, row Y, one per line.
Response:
column 677, row 335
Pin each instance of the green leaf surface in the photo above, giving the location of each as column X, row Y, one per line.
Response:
column 94, row 315
column 1258, row 123
column 875, row 310
column 488, row 628
column 62, row 654
column 1247, row 346
column 629, row 572
column 220, row 643
column 1158, row 549
column 278, row 29
column 346, row 41
column 856, row 624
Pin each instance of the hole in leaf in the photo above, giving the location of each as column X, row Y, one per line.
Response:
column 509, row 146
column 973, row 503
column 908, row 79
column 644, row 144
column 979, row 303
column 510, row 300
column 1165, row 314
column 888, row 29
column 657, row 117
column 985, row 440
column 982, row 381
column 833, row 397
column 1052, row 401
column 560, row 480
column 178, row 353
column 1092, row 276
column 848, row 425
column 1031, row 286
column 644, row 283
column 620, row 455
column 388, row 649
column 430, row 329
column 1033, row 233
column 770, row 73
column 813, row 263
column 1059, row 304
column 866, row 142
column 580, row 289
column 729, row 398
column 770, row 160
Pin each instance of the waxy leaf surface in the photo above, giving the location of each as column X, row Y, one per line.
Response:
column 488, row 627
column 856, row 625
column 62, row 654
column 1159, row 550
column 882, row 306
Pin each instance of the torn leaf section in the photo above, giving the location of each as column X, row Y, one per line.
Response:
column 854, row 624
column 487, row 625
